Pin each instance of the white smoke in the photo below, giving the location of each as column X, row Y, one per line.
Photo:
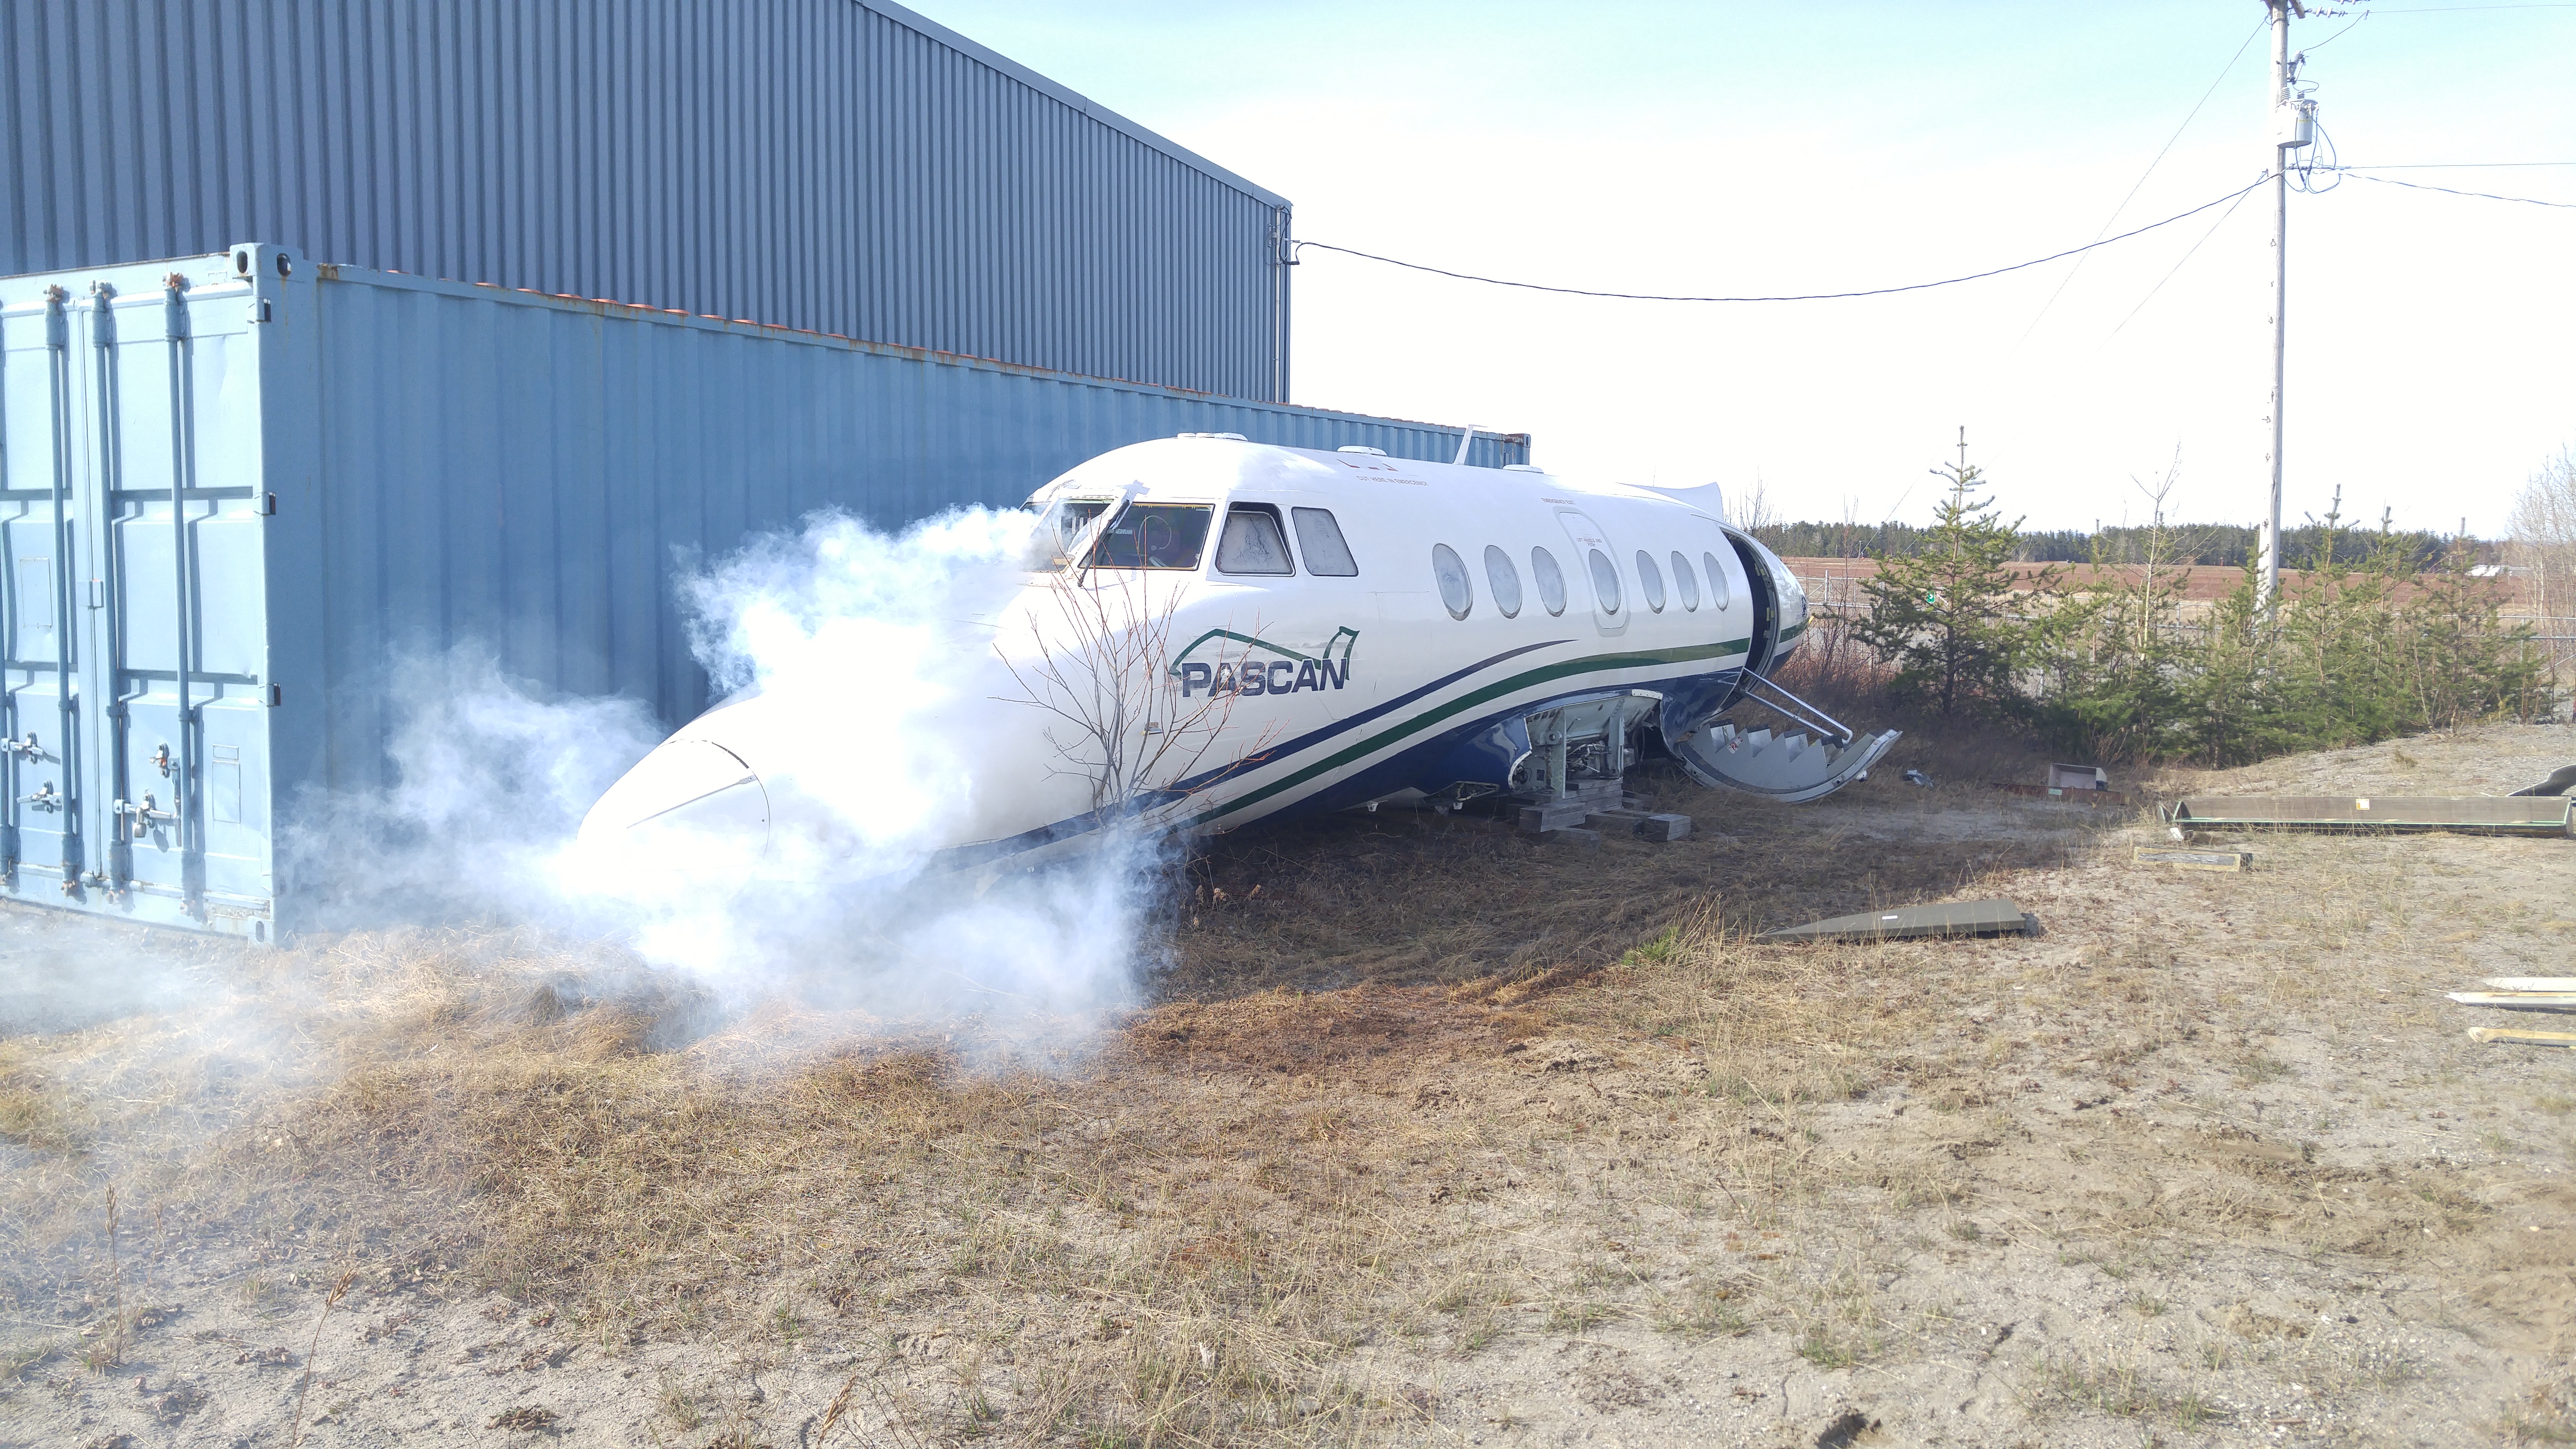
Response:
column 888, row 724
column 873, row 654
column 899, row 719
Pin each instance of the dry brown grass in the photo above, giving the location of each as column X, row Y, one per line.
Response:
column 1429, row 1097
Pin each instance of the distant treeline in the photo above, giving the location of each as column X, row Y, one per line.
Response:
column 2227, row 544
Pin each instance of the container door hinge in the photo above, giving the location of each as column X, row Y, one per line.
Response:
column 277, row 696
column 268, row 505
column 259, row 309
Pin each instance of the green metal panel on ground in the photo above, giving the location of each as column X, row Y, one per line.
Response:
column 1904, row 923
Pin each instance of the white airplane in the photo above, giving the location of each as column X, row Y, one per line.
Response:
column 1215, row 632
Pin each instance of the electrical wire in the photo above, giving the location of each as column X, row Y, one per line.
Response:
column 2453, row 191
column 2107, row 222
column 1802, row 297
column 2455, row 165
column 2177, row 266
column 2331, row 39
column 2303, row 176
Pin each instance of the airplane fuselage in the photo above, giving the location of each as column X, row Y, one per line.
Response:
column 1227, row 632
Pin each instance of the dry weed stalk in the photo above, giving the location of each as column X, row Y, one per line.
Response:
column 112, row 1352
column 1104, row 672
column 295, row 1426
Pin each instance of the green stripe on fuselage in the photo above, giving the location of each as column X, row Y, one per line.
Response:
column 1485, row 694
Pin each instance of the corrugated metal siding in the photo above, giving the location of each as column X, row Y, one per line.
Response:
column 608, row 437
column 838, row 165
column 449, row 465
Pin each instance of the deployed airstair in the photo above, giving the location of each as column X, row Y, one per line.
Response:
column 1818, row 756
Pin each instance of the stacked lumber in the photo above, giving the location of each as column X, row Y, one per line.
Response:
column 2523, row 993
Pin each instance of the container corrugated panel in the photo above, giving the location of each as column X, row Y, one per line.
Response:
column 372, row 466
column 845, row 166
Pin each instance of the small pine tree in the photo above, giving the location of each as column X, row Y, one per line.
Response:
column 2111, row 654
column 1943, row 615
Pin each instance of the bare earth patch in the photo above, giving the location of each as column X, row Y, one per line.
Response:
column 1429, row 1135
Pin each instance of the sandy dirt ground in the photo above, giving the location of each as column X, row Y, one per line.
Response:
column 1425, row 1134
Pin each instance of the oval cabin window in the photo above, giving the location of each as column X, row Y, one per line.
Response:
column 1605, row 582
column 1551, row 580
column 1650, row 581
column 1504, row 580
column 1451, row 571
column 1684, row 583
column 1720, row 596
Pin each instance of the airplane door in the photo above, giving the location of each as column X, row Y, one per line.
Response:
column 1594, row 571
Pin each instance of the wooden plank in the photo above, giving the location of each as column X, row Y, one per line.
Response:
column 2505, row 814
column 2535, row 1038
column 2188, row 859
column 2095, row 798
column 2518, row 1000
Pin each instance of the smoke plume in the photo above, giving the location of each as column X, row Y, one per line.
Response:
column 886, row 721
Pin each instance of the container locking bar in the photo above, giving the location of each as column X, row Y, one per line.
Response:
column 144, row 816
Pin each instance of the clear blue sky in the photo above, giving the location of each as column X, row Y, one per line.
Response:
column 1736, row 147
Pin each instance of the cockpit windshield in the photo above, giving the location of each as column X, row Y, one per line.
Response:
column 1141, row 536
column 1154, row 536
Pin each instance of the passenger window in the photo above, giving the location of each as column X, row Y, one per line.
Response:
column 1451, row 571
column 1605, row 582
column 1252, row 543
column 1551, row 580
column 1154, row 536
column 1720, row 595
column 1685, row 582
column 1651, row 580
column 1505, row 581
column 1319, row 538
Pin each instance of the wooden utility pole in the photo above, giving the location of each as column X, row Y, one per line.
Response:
column 2285, row 138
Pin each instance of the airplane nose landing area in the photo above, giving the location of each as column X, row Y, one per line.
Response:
column 685, row 797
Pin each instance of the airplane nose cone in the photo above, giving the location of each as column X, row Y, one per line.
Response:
column 687, row 800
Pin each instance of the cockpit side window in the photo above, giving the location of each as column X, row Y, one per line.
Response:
column 1070, row 518
column 1319, row 538
column 1154, row 536
column 1252, row 542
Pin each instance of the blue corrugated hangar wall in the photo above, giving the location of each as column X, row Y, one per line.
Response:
column 238, row 487
column 844, row 166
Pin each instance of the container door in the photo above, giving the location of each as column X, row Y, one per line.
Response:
column 134, row 611
column 39, row 814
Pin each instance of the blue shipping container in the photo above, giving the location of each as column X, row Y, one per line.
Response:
column 233, row 487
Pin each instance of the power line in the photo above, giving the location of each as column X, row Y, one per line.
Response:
column 1803, row 297
column 2114, row 217
column 2452, row 191
column 2178, row 265
column 2455, row 165
column 2305, row 51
